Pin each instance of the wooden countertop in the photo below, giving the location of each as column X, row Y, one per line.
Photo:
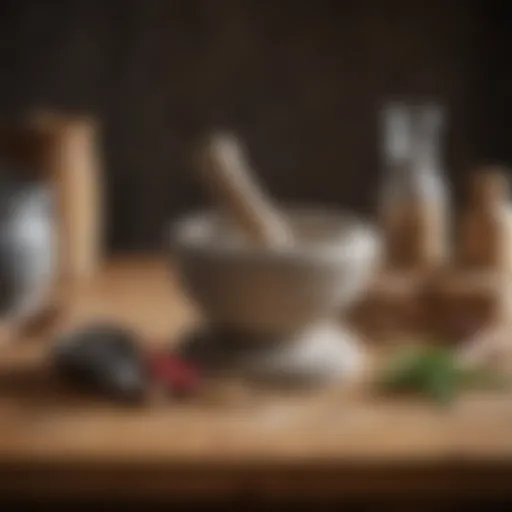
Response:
column 347, row 441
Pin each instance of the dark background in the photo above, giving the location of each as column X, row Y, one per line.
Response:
column 301, row 81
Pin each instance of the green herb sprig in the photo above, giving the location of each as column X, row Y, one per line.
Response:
column 435, row 373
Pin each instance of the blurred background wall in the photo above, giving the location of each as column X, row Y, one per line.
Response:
column 301, row 81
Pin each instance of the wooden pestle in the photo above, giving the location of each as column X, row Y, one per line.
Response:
column 224, row 170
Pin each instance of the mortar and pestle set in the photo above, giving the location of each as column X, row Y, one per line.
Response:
column 271, row 283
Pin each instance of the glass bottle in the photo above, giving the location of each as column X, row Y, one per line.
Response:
column 414, row 195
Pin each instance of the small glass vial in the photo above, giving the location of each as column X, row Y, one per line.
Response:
column 414, row 195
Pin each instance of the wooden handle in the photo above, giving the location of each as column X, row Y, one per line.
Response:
column 226, row 173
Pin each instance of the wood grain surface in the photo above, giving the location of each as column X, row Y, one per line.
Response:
column 322, row 442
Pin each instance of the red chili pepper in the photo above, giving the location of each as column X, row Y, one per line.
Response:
column 173, row 373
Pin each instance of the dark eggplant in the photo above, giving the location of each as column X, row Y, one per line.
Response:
column 103, row 358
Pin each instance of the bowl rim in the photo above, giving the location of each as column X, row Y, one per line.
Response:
column 360, row 243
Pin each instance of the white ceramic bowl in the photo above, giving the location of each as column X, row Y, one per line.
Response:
column 261, row 291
